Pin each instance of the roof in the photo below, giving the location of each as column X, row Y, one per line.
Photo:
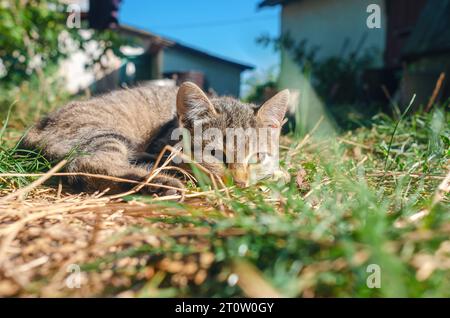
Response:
column 130, row 30
column 203, row 53
column 432, row 32
column 271, row 3
column 177, row 45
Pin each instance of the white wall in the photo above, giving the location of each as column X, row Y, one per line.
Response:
column 327, row 24
column 223, row 78
column 78, row 78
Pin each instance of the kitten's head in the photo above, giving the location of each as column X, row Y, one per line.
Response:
column 231, row 137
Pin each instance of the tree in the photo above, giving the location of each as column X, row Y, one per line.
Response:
column 35, row 36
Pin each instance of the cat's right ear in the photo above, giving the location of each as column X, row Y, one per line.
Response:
column 193, row 104
column 272, row 112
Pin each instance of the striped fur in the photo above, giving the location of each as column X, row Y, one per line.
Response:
column 120, row 134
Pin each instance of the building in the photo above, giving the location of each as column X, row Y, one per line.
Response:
column 333, row 26
column 409, row 29
column 164, row 58
column 426, row 54
column 151, row 58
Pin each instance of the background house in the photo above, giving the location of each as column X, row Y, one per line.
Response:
column 333, row 26
column 163, row 58
column 150, row 58
column 409, row 29
column 426, row 53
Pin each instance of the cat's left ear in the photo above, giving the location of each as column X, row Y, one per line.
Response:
column 193, row 104
column 272, row 112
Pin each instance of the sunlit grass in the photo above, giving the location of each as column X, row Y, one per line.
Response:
column 366, row 197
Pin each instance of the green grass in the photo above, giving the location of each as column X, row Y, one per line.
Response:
column 16, row 160
column 323, row 245
column 321, row 237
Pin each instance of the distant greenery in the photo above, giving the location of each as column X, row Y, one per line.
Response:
column 261, row 87
column 34, row 39
column 30, row 37
column 35, row 36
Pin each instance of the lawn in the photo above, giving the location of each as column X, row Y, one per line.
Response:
column 365, row 214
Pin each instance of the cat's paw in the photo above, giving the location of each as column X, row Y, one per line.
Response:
column 170, row 186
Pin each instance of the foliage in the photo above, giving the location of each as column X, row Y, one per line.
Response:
column 262, row 86
column 35, row 38
column 30, row 36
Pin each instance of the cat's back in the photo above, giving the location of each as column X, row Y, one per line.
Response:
column 135, row 110
column 135, row 113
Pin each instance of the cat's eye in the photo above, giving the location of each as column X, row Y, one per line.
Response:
column 258, row 158
column 219, row 155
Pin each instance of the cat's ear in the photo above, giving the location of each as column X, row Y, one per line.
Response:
column 192, row 103
column 272, row 112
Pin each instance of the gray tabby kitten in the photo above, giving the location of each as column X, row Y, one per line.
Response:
column 120, row 134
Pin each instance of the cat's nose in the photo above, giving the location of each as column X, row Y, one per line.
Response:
column 240, row 178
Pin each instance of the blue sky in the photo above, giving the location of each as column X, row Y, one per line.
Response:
column 227, row 28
